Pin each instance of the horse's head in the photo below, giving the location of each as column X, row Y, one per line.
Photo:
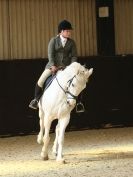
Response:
column 84, row 73
column 78, row 82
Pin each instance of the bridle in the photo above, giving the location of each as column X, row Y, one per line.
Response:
column 67, row 91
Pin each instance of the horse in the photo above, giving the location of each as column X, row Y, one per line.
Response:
column 57, row 102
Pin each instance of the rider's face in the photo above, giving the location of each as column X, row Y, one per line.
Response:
column 66, row 33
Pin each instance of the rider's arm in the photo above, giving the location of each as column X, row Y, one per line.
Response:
column 51, row 52
column 73, row 52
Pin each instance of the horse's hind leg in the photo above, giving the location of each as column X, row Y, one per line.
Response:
column 55, row 146
column 40, row 135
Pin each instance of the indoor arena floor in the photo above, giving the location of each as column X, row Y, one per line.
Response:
column 89, row 153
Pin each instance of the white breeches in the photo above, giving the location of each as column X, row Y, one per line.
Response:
column 46, row 73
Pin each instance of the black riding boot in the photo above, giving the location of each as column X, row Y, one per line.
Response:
column 38, row 93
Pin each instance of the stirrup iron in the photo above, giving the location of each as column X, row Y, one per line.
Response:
column 80, row 107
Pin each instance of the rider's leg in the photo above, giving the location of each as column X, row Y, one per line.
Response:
column 46, row 73
column 39, row 88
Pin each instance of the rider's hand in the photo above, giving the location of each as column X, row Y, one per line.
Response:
column 54, row 69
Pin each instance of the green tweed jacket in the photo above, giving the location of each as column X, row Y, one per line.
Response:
column 59, row 55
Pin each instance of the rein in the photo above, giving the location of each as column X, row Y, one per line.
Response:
column 67, row 91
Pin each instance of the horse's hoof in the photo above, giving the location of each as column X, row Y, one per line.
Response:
column 44, row 157
column 39, row 141
column 61, row 161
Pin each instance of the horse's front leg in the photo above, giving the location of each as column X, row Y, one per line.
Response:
column 40, row 135
column 63, row 122
column 46, row 138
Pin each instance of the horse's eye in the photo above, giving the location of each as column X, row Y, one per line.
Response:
column 72, row 85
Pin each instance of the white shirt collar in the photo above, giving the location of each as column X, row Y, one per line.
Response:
column 63, row 40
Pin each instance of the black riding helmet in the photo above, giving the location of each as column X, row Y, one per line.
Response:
column 64, row 25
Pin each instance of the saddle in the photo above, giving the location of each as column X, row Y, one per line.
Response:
column 48, row 81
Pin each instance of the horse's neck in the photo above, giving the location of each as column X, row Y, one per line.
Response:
column 64, row 77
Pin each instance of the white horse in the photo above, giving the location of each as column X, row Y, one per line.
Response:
column 57, row 102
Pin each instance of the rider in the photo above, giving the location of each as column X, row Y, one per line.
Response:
column 62, row 52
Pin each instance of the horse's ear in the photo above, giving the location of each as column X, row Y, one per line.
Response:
column 90, row 71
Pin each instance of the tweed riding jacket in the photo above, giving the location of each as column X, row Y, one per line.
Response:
column 59, row 55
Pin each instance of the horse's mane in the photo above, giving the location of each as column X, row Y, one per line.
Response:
column 72, row 69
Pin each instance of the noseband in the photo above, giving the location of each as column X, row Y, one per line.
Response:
column 67, row 91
